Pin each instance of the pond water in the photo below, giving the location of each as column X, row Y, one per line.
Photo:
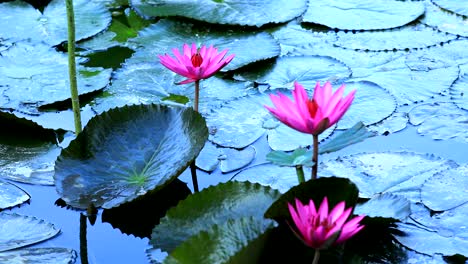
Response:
column 408, row 61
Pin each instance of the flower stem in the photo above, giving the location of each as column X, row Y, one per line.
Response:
column 72, row 66
column 300, row 174
column 316, row 257
column 83, row 240
column 193, row 167
column 315, row 157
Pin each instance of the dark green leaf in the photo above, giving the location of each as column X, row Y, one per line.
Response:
column 355, row 134
column 364, row 14
column 336, row 189
column 19, row 231
column 214, row 205
column 220, row 242
column 248, row 13
column 137, row 148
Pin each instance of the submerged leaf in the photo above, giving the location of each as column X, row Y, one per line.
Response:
column 248, row 13
column 19, row 231
column 127, row 152
column 364, row 14
column 214, row 205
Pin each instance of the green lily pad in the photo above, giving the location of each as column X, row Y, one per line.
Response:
column 398, row 172
column 243, row 13
column 367, row 14
column 459, row 89
column 39, row 255
column 355, row 134
column 50, row 27
column 19, row 231
column 162, row 37
column 267, row 174
column 162, row 143
column 443, row 20
column 233, row 159
column 334, row 188
column 11, row 195
column 453, row 6
column 307, row 70
column 213, row 205
column 36, row 75
column 407, row 37
column 442, row 191
column 221, row 242
column 433, row 119
column 299, row 157
column 385, row 205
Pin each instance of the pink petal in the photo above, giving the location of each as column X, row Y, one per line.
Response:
column 337, row 211
column 323, row 210
column 330, row 106
column 343, row 217
column 318, row 94
column 296, row 218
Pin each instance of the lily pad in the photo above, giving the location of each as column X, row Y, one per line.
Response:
column 459, row 89
column 267, row 174
column 407, row 37
column 221, row 242
column 443, row 190
column 213, row 205
column 162, row 37
column 453, row 6
column 420, row 113
column 374, row 173
column 39, row 255
column 307, row 70
column 367, row 14
column 162, row 143
column 208, row 159
column 355, row 134
column 50, row 27
column 286, row 139
column 396, row 122
column 36, row 75
column 19, row 231
column 11, row 195
column 443, row 20
column 243, row 13
column 385, row 205
column 299, row 157
column 233, row 159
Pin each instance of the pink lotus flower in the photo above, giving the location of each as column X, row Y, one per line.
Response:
column 196, row 64
column 311, row 116
column 320, row 229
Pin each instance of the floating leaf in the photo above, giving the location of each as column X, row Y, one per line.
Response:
column 442, row 191
column 374, row 173
column 39, row 255
column 91, row 17
column 38, row 75
column 246, row 13
column 11, row 195
column 355, row 134
column 396, row 122
column 365, row 14
column 299, row 157
column 213, row 205
column 452, row 5
column 334, row 188
column 19, row 231
column 233, row 159
column 162, row 37
column 267, row 174
column 420, row 113
column 385, row 205
column 208, row 160
column 440, row 56
column 459, row 89
column 144, row 148
column 407, row 37
column 443, row 20
column 220, row 242
column 286, row 139
column 307, row 70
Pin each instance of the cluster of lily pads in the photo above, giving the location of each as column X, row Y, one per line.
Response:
column 407, row 60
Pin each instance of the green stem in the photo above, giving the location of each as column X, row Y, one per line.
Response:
column 83, row 240
column 316, row 257
column 315, row 157
column 72, row 66
column 300, row 174
column 193, row 167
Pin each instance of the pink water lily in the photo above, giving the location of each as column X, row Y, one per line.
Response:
column 315, row 115
column 320, row 229
column 196, row 64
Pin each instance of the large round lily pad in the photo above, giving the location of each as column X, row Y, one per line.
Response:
column 453, row 6
column 39, row 255
column 250, row 13
column 21, row 21
column 127, row 152
column 444, row 21
column 364, row 14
